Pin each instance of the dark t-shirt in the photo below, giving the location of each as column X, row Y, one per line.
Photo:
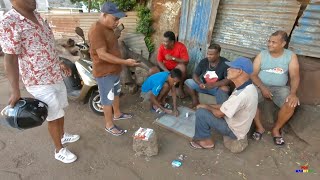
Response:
column 212, row 74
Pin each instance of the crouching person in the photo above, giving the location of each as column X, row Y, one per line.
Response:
column 234, row 117
column 156, row 88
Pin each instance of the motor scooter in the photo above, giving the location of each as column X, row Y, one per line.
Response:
column 81, row 85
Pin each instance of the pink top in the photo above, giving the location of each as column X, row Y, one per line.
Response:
column 35, row 47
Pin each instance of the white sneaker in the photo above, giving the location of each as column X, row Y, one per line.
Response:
column 65, row 156
column 69, row 138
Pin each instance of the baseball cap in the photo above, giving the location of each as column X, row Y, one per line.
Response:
column 111, row 8
column 242, row 63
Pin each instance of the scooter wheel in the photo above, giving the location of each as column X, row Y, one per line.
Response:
column 95, row 103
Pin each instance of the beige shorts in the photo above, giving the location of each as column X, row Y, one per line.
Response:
column 54, row 95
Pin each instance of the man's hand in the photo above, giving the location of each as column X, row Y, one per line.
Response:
column 65, row 69
column 202, row 86
column 168, row 57
column 168, row 111
column 293, row 100
column 14, row 98
column 132, row 62
column 266, row 92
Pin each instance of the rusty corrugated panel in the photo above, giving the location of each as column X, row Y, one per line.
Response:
column 305, row 38
column 245, row 25
column 63, row 26
column 135, row 41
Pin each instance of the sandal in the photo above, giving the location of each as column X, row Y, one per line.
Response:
column 167, row 106
column 279, row 141
column 196, row 145
column 123, row 116
column 257, row 135
column 158, row 110
column 121, row 131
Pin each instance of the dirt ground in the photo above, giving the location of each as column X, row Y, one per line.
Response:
column 28, row 154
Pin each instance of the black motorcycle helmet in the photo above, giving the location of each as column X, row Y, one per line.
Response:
column 27, row 113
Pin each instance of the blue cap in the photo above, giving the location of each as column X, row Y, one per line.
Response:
column 242, row 63
column 111, row 8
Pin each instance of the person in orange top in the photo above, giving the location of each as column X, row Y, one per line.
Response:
column 172, row 54
column 107, row 65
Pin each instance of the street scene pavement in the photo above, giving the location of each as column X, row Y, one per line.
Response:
column 29, row 154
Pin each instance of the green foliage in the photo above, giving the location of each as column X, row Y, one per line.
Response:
column 144, row 25
column 124, row 5
column 149, row 44
column 75, row 1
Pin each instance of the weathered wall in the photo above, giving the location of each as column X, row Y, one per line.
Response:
column 305, row 38
column 165, row 14
column 63, row 26
column 243, row 26
column 196, row 27
column 309, row 89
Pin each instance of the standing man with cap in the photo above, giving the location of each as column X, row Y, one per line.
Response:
column 107, row 63
column 234, row 117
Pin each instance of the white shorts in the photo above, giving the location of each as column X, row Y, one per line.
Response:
column 54, row 95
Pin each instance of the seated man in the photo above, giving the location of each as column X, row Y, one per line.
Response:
column 270, row 75
column 172, row 54
column 156, row 88
column 210, row 77
column 234, row 117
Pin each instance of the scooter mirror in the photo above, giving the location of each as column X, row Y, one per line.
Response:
column 79, row 31
column 118, row 29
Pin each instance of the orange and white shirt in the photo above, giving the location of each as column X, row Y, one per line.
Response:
column 35, row 47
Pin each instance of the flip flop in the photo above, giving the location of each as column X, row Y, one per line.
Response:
column 158, row 110
column 257, row 135
column 167, row 106
column 196, row 145
column 121, row 131
column 279, row 141
column 123, row 116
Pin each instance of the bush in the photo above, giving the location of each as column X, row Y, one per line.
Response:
column 144, row 25
column 125, row 5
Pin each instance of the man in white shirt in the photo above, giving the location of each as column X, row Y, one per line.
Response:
column 234, row 117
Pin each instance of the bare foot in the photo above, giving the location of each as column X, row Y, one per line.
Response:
column 276, row 133
column 201, row 145
column 182, row 95
column 194, row 104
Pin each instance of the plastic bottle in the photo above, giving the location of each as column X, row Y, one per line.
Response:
column 178, row 162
